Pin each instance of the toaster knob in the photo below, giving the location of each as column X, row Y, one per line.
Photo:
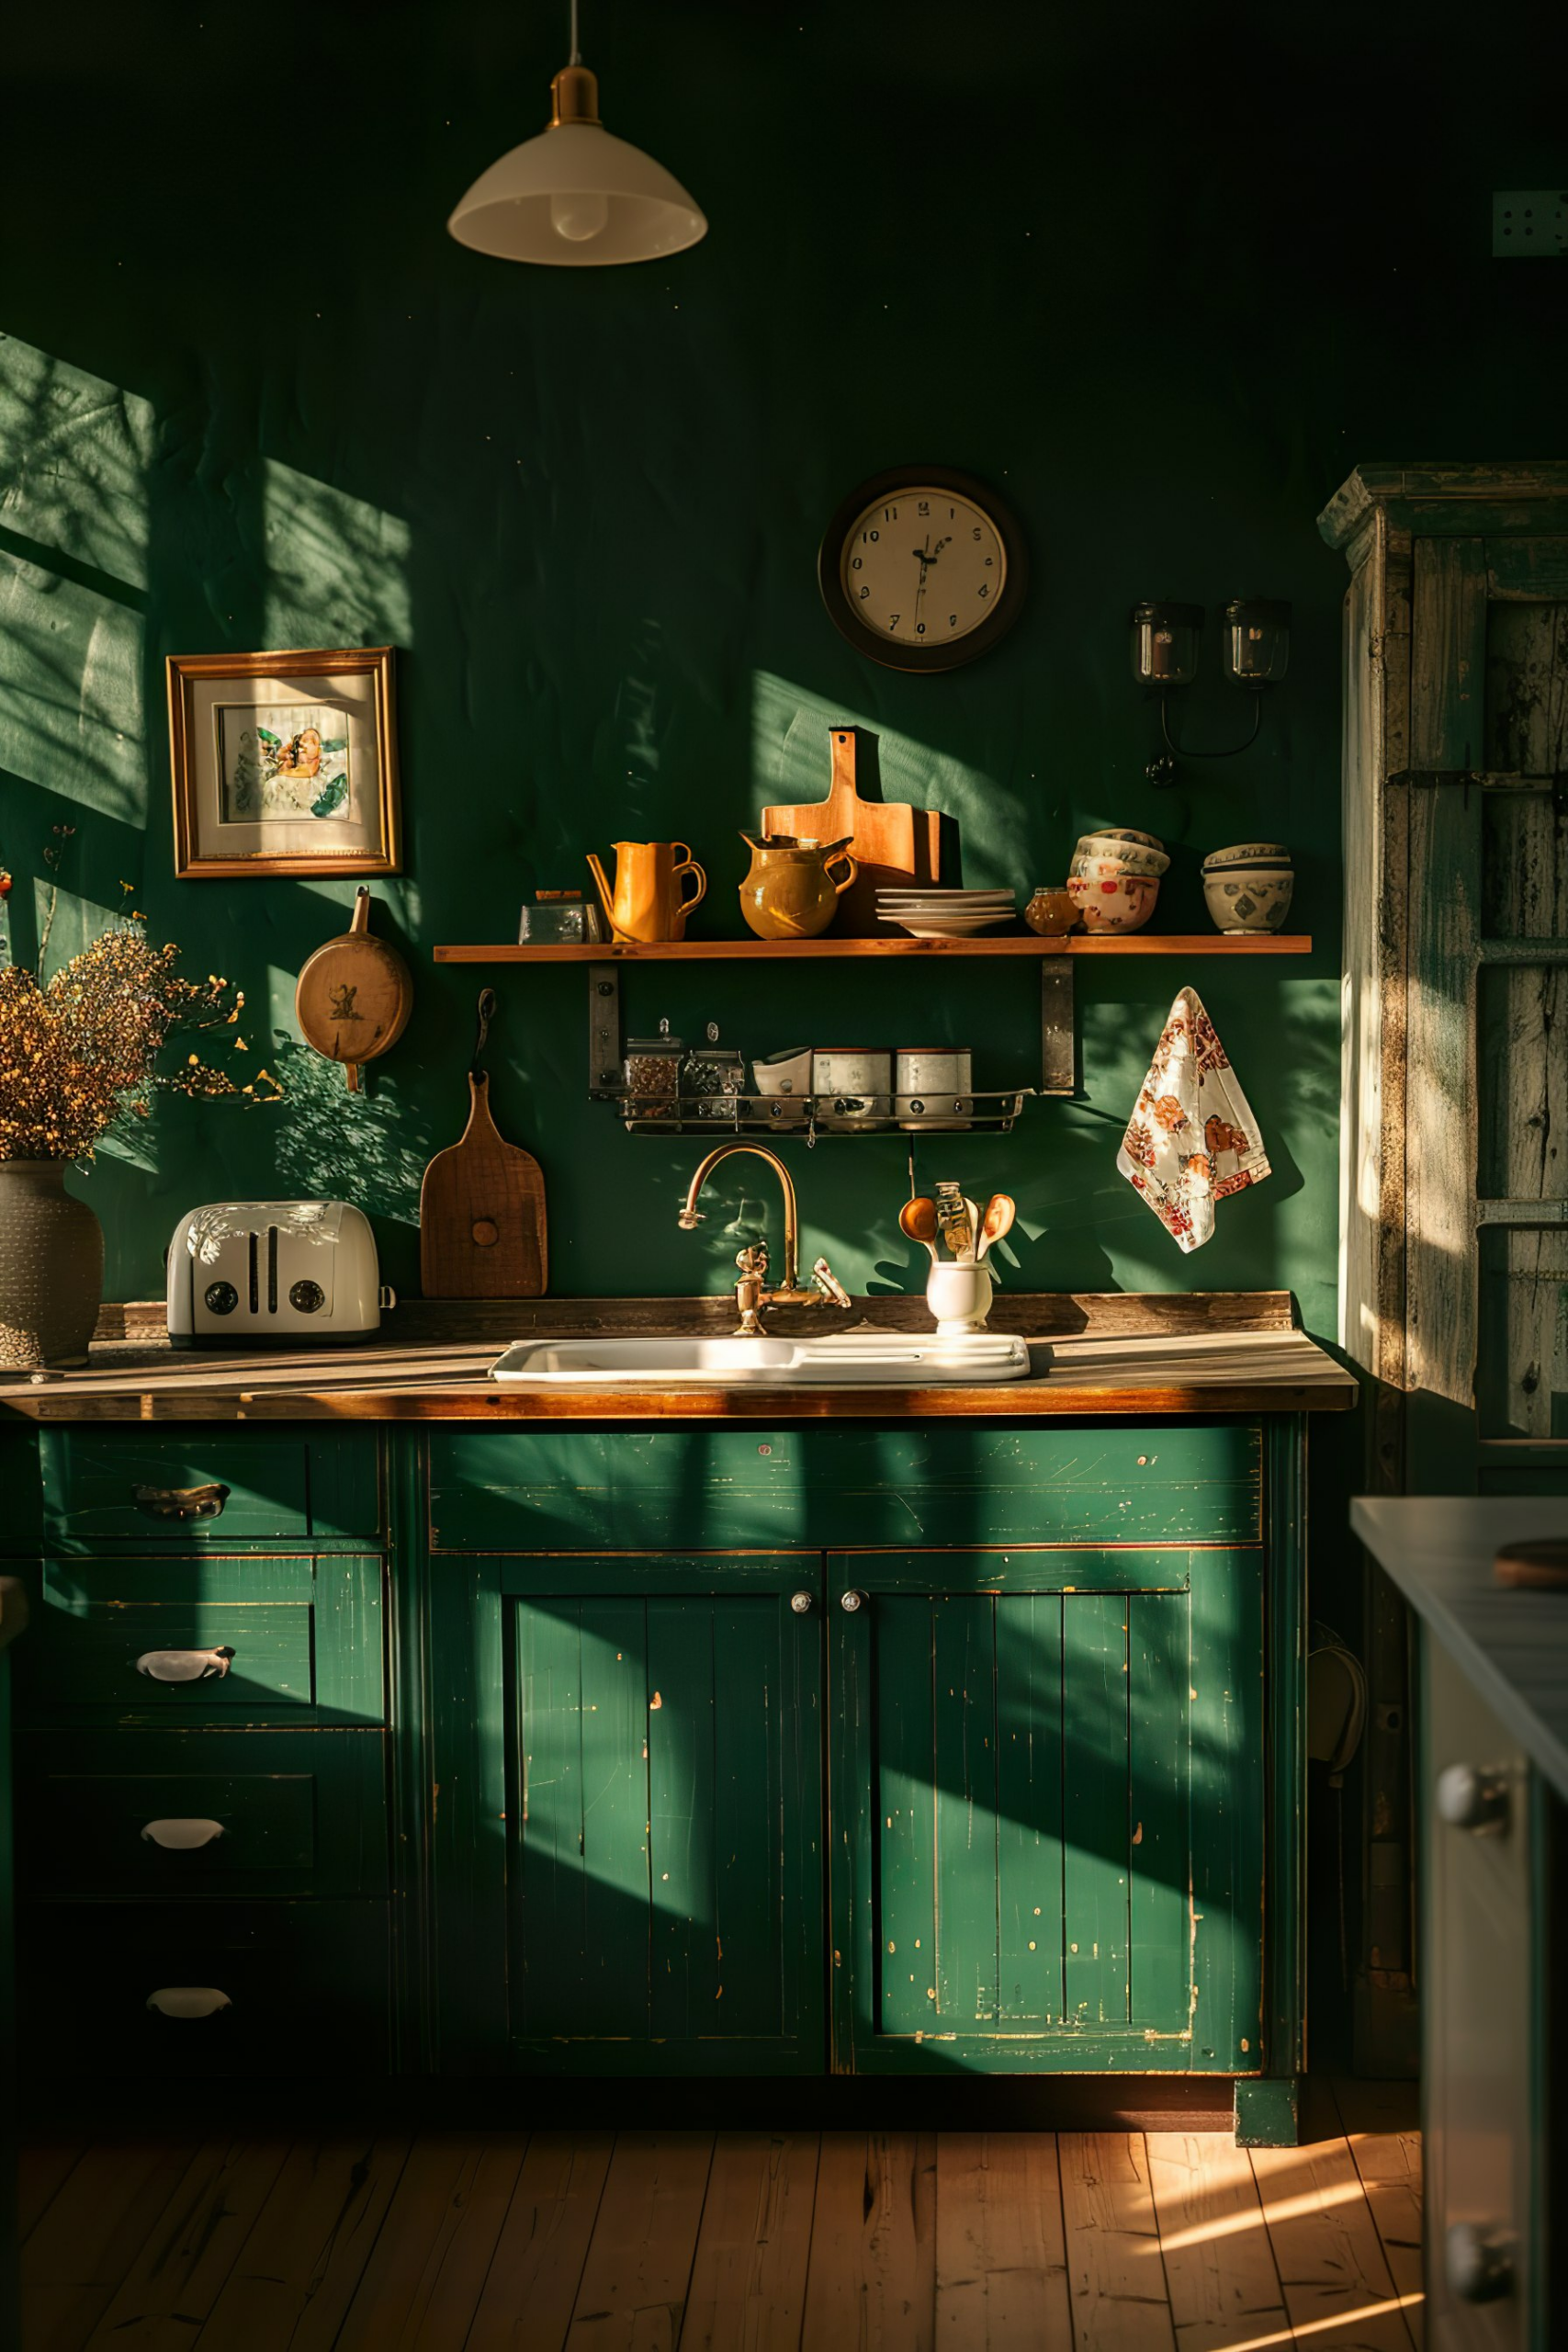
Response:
column 221, row 1298
column 307, row 1297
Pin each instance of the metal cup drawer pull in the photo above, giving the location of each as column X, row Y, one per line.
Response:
column 188, row 2001
column 184, row 1666
column 1474, row 1797
column 182, row 1836
column 1478, row 2263
column 181, row 1502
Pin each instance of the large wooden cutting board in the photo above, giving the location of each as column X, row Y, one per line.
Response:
column 481, row 1214
column 894, row 843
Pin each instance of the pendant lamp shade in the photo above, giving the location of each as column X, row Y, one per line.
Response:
column 575, row 195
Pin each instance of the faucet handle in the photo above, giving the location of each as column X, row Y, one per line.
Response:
column 753, row 1260
column 828, row 1283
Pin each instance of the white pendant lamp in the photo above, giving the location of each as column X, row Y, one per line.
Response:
column 574, row 195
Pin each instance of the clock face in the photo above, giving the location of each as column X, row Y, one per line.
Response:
column 924, row 566
column 923, row 570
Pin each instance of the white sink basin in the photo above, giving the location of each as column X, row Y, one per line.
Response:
column 837, row 1360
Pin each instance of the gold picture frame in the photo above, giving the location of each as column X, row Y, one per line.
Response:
column 284, row 763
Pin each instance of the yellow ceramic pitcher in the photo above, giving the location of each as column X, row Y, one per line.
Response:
column 790, row 892
column 650, row 901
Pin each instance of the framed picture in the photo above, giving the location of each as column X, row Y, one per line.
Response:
column 284, row 763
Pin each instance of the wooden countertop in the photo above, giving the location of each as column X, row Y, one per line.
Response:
column 1106, row 1354
column 1511, row 1644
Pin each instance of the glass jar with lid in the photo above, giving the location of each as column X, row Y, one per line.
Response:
column 652, row 1071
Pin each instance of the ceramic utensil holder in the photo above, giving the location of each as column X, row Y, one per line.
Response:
column 958, row 1293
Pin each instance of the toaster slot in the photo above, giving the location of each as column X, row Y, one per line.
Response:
column 272, row 1269
column 252, row 1239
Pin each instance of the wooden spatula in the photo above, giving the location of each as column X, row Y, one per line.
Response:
column 481, row 1207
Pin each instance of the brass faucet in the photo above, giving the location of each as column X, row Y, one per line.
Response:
column 751, row 1294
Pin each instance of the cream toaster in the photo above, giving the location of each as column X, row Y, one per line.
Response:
column 246, row 1274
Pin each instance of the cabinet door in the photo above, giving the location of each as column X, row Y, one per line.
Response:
column 663, row 1818
column 1046, row 1810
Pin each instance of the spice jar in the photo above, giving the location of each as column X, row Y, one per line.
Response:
column 652, row 1070
column 1051, row 911
column 712, row 1077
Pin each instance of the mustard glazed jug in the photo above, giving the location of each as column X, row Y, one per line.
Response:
column 649, row 900
column 790, row 891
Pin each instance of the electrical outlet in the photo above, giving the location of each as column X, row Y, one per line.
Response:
column 1529, row 223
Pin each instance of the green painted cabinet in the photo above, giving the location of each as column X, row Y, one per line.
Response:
column 1047, row 1824
column 664, row 1846
column 1019, row 1800
column 634, row 1791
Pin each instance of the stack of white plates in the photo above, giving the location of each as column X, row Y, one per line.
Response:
column 933, row 914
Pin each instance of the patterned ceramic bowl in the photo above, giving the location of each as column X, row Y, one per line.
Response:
column 1247, row 854
column 1243, row 897
column 1123, row 833
column 1123, row 902
column 1097, row 852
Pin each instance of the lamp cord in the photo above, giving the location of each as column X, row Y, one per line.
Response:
column 1185, row 752
column 576, row 57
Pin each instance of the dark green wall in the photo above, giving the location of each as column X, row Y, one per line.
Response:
column 258, row 398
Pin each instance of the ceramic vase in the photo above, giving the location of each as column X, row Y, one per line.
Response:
column 51, row 1268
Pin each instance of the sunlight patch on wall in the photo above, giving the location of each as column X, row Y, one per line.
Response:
column 790, row 762
column 74, row 453
column 370, row 1149
column 77, row 922
column 70, row 716
column 336, row 569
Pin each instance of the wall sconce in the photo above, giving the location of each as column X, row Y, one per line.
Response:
column 1257, row 652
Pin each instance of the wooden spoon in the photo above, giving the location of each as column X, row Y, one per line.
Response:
column 1001, row 1211
column 918, row 1219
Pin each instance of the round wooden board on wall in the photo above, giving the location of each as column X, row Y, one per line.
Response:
column 353, row 997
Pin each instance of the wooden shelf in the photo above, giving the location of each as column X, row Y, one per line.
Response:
column 741, row 951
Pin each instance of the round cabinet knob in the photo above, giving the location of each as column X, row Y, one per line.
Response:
column 221, row 1298
column 1474, row 1796
column 801, row 1603
column 852, row 1601
column 1478, row 2262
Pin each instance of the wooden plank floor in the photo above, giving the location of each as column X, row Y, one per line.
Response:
column 752, row 2241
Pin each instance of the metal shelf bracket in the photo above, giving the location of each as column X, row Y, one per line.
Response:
column 1058, row 1053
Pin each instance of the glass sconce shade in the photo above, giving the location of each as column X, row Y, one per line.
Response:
column 1165, row 643
column 1257, row 640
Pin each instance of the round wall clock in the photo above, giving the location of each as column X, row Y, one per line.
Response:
column 922, row 568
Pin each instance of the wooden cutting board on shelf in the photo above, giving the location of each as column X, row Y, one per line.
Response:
column 482, row 1231
column 893, row 843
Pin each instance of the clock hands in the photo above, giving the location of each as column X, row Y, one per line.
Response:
column 925, row 561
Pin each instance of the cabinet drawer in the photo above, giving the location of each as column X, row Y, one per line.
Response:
column 173, row 1816
column 173, row 1991
column 1484, row 2068
column 197, row 1490
column 565, row 1489
column 214, row 1640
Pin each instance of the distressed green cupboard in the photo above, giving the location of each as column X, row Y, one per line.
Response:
column 696, row 1749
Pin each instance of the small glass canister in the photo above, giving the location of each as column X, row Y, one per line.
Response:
column 712, row 1077
column 559, row 918
column 652, row 1070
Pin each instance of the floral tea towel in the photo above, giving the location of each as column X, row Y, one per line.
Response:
column 1192, row 1139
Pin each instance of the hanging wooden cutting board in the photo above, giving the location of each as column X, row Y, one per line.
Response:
column 354, row 995
column 894, row 843
column 481, row 1207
